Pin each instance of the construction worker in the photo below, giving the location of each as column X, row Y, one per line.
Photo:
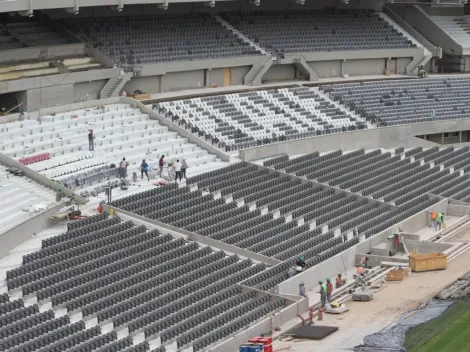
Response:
column 322, row 293
column 91, row 141
column 329, row 290
column 302, row 289
column 433, row 217
column 439, row 220
column 300, row 264
column 340, row 281
column 361, row 269
column 59, row 195
column 364, row 261
column 144, row 169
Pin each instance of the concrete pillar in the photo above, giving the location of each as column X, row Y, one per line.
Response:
column 206, row 77
column 425, row 137
column 460, row 136
column 161, row 83
column 442, row 138
column 343, row 68
column 387, row 63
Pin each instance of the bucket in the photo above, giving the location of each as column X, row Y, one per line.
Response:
column 266, row 341
column 244, row 348
column 255, row 347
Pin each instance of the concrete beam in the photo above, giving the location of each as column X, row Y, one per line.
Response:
column 384, row 137
column 191, row 236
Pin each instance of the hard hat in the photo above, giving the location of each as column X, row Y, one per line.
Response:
column 339, row 274
column 367, row 257
column 302, row 257
column 301, row 283
column 59, row 189
column 328, row 280
column 363, row 265
column 320, row 282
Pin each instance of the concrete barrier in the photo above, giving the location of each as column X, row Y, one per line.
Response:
column 24, row 231
column 346, row 260
column 41, row 179
column 384, row 137
column 177, row 232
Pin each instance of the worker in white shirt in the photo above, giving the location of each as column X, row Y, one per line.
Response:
column 177, row 167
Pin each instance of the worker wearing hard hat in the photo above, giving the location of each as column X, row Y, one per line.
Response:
column 322, row 292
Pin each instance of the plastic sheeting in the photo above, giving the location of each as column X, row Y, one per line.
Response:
column 393, row 338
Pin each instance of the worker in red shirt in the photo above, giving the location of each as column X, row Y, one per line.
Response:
column 329, row 290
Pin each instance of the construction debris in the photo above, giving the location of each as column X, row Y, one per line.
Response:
column 363, row 295
column 459, row 289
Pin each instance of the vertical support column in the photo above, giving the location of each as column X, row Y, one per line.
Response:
column 343, row 68
column 442, row 138
column 206, row 77
column 460, row 136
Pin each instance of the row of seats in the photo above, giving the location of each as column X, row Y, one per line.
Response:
column 321, row 30
column 131, row 277
column 236, row 120
column 131, row 41
column 120, row 132
column 398, row 102
column 147, row 39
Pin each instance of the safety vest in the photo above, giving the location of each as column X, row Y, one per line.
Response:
column 433, row 215
column 439, row 217
column 323, row 288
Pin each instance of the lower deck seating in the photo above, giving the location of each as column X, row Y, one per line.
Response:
column 394, row 177
column 270, row 213
column 135, row 278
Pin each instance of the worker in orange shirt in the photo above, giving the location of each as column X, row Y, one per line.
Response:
column 433, row 219
column 361, row 269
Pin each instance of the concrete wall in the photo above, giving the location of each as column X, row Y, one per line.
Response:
column 145, row 84
column 327, row 69
column 41, row 52
column 84, row 91
column 458, row 210
column 49, row 96
column 183, row 80
column 387, row 137
column 425, row 247
column 280, row 73
column 24, row 231
column 345, row 260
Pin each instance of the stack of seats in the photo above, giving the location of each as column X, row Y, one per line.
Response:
column 21, row 198
column 240, row 120
column 120, row 132
column 134, row 278
column 144, row 40
column 323, row 30
column 405, row 101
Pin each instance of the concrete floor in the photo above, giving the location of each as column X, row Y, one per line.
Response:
column 365, row 318
column 427, row 232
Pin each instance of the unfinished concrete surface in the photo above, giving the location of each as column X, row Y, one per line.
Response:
column 365, row 318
